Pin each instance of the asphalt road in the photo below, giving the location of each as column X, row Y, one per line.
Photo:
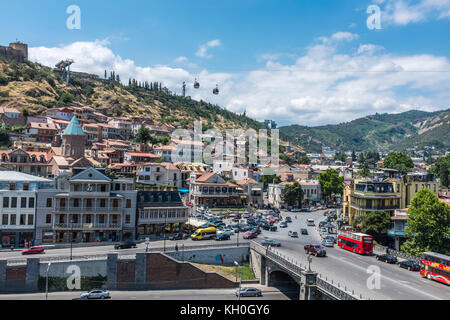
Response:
column 205, row 294
column 349, row 269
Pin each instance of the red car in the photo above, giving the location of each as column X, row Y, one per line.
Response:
column 250, row 235
column 33, row 250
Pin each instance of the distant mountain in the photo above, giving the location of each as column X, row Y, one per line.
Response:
column 382, row 132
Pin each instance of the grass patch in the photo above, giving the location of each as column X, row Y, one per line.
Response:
column 229, row 272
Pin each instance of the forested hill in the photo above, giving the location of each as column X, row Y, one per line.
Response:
column 382, row 132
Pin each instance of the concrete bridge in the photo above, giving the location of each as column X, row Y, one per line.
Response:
column 275, row 270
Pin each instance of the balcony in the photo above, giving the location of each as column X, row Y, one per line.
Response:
column 115, row 210
column 87, row 226
column 374, row 208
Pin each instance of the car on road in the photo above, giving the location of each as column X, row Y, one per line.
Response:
column 268, row 227
column 271, row 242
column 410, row 265
column 177, row 236
column 327, row 242
column 96, row 294
column 125, row 245
column 386, row 258
column 293, row 234
column 249, row 292
column 283, row 224
column 288, row 219
column 315, row 249
column 33, row 250
column 250, row 235
column 304, row 231
column 310, row 222
column 223, row 236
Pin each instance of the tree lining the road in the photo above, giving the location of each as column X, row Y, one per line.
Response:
column 428, row 225
column 292, row 194
column 331, row 183
column 374, row 223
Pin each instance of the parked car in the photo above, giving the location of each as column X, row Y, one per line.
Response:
column 250, row 235
column 304, row 231
column 222, row 236
column 176, row 236
column 125, row 245
column 386, row 258
column 283, row 225
column 96, row 294
column 249, row 292
column 410, row 265
column 288, row 219
column 271, row 242
column 33, row 250
column 315, row 249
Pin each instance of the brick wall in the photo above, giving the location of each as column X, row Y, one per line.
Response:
column 164, row 272
column 125, row 274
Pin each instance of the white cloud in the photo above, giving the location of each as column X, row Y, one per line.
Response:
column 326, row 84
column 203, row 50
column 404, row 12
column 181, row 59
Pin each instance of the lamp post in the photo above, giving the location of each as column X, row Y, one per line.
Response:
column 165, row 224
column 71, row 237
column 240, row 279
column 46, row 281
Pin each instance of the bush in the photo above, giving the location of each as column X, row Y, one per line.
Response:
column 4, row 94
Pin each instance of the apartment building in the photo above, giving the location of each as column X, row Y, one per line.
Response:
column 18, row 194
column 212, row 190
column 165, row 173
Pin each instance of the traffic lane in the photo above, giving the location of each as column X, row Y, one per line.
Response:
column 170, row 244
column 201, row 294
column 405, row 284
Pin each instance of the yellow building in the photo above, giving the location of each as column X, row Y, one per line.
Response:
column 392, row 193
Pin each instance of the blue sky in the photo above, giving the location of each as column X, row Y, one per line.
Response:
column 274, row 59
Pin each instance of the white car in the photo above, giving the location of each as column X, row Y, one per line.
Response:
column 228, row 231
column 96, row 294
column 328, row 243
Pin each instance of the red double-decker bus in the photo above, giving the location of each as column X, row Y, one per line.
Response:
column 435, row 266
column 356, row 242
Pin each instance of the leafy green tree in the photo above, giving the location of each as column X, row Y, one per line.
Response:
column 25, row 112
column 442, row 170
column 364, row 172
column 4, row 137
column 289, row 161
column 376, row 223
column 341, row 156
column 292, row 194
column 354, row 157
column 304, row 160
column 331, row 183
column 428, row 225
column 143, row 135
column 398, row 161
column 266, row 179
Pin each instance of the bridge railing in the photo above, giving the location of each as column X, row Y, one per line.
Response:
column 297, row 268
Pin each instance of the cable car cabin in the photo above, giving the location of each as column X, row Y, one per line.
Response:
column 216, row 90
column 196, row 84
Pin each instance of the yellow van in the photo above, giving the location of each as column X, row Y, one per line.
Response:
column 204, row 234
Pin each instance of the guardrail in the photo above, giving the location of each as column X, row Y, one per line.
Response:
column 297, row 268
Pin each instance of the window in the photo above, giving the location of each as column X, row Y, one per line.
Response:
column 417, row 187
column 88, row 218
column 101, row 218
column 13, row 220
column 127, row 219
column 76, row 203
column 102, row 203
column 115, row 203
column 49, row 202
column 14, row 202
column 26, row 186
column 48, row 219
column 23, row 217
column 5, row 219
column 30, row 219
column 5, row 202
column 128, row 203
column 23, row 202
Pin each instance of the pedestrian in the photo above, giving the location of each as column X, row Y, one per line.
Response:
column 176, row 247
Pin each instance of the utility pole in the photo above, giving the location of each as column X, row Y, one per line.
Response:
column 71, row 237
column 165, row 224
column 240, row 279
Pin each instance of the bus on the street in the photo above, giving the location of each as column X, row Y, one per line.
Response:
column 356, row 242
column 435, row 266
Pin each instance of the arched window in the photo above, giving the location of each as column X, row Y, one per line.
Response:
column 33, row 158
column 3, row 157
column 42, row 159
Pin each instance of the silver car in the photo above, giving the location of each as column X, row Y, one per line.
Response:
column 96, row 294
column 328, row 243
column 249, row 292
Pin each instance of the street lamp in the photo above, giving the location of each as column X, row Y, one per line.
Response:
column 46, row 281
column 71, row 237
column 240, row 279
column 165, row 224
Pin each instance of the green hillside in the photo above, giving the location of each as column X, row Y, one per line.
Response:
column 381, row 132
